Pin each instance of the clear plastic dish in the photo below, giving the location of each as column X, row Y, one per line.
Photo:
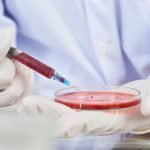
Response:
column 98, row 98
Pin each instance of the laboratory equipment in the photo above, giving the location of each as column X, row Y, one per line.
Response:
column 98, row 98
column 36, row 65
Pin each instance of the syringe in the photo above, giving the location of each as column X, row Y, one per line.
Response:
column 36, row 65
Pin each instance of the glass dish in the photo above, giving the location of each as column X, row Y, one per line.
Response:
column 98, row 98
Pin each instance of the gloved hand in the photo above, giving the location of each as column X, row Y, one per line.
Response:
column 16, row 80
column 71, row 123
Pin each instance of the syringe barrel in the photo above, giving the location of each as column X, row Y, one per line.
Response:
column 31, row 62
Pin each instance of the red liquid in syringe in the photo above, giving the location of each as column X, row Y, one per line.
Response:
column 34, row 64
column 98, row 100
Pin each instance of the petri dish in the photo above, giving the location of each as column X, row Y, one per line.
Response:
column 98, row 98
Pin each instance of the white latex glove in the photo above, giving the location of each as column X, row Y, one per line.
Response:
column 16, row 80
column 71, row 123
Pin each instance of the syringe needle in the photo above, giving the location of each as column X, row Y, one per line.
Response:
column 61, row 79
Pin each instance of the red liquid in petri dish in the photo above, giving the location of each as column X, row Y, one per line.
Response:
column 98, row 100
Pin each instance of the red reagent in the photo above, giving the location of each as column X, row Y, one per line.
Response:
column 35, row 64
column 98, row 100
